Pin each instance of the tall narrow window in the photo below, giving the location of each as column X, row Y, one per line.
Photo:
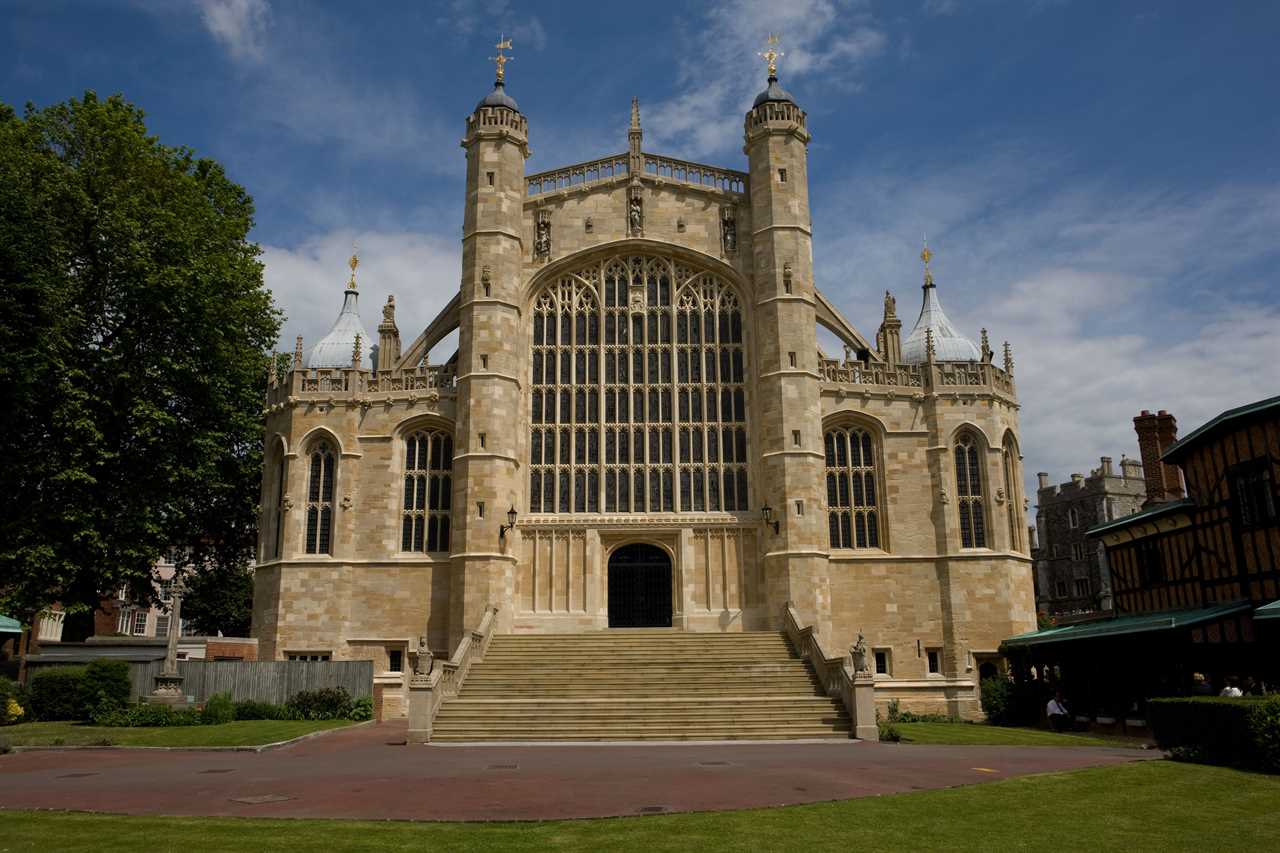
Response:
column 638, row 391
column 428, row 492
column 320, row 499
column 969, row 493
column 1013, row 493
column 853, row 509
column 276, row 511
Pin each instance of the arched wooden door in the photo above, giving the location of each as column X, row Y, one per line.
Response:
column 639, row 587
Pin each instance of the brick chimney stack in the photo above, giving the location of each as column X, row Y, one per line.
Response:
column 1155, row 434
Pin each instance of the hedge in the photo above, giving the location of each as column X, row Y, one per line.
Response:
column 55, row 693
column 1218, row 729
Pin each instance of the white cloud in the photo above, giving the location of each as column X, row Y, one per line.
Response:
column 239, row 25
column 421, row 270
column 940, row 7
column 721, row 73
column 1114, row 300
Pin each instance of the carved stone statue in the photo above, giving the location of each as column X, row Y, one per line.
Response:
column 424, row 661
column 542, row 242
column 637, row 213
column 890, row 305
column 389, row 310
column 858, row 653
column 729, row 229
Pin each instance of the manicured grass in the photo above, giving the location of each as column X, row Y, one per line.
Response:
column 239, row 733
column 1148, row 805
column 974, row 734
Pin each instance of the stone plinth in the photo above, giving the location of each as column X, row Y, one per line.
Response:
column 421, row 700
column 864, row 707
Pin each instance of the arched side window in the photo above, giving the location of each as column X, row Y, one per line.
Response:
column 969, row 493
column 1013, row 494
column 853, row 509
column 322, row 470
column 276, row 511
column 428, row 491
column 638, row 391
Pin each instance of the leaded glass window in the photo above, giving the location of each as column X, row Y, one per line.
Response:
column 853, row 508
column 638, row 391
column 428, row 491
column 321, row 470
column 969, row 493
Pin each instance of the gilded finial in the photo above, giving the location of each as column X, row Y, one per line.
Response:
column 353, row 263
column 771, row 55
column 502, row 59
column 927, row 256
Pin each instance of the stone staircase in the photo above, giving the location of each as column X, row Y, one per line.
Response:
column 640, row 685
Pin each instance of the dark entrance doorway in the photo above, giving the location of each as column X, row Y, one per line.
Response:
column 639, row 587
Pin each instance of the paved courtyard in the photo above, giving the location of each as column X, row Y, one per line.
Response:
column 366, row 772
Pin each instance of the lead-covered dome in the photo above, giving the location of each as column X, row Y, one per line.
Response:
column 499, row 98
column 773, row 92
column 336, row 348
column 948, row 343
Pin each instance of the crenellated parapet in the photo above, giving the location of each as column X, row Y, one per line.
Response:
column 655, row 169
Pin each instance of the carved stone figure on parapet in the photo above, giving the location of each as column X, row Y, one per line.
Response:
column 424, row 660
column 858, row 655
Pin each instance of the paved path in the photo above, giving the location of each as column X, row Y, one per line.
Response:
column 367, row 773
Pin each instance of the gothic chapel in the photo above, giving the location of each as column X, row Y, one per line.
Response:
column 639, row 439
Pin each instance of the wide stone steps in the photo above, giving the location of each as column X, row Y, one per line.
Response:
column 640, row 685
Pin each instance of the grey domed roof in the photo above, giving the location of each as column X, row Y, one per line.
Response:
column 948, row 343
column 335, row 349
column 499, row 98
column 774, row 92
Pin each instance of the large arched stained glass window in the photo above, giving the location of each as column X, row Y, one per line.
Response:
column 428, row 491
column 969, row 493
column 638, row 400
column 853, row 514
column 321, row 471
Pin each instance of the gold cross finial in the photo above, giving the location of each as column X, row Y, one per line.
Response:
column 772, row 55
column 353, row 263
column 502, row 59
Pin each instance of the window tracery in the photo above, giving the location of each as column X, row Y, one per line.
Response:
column 853, row 508
column 638, row 391
column 428, row 491
column 969, row 492
column 322, row 468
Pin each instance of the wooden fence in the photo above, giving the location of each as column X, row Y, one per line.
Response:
column 261, row 681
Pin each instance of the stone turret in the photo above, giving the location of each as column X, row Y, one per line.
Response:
column 788, row 402
column 487, row 438
column 388, row 337
column 890, row 335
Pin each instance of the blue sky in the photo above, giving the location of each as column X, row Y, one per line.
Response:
column 1099, row 181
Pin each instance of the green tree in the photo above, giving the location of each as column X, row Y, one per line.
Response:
column 134, row 336
column 219, row 597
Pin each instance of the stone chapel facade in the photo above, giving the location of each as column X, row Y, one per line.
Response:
column 638, row 388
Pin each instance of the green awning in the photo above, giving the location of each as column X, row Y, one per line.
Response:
column 1268, row 611
column 10, row 626
column 1138, row 623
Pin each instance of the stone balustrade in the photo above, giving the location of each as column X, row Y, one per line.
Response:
column 681, row 171
column 357, row 383
column 939, row 376
column 580, row 175
column 428, row 692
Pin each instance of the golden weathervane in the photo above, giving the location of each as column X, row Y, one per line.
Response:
column 927, row 256
column 353, row 263
column 772, row 55
column 502, row 59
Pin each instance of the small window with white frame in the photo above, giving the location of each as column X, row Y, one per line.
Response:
column 139, row 628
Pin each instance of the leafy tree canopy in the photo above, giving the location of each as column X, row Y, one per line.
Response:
column 134, row 335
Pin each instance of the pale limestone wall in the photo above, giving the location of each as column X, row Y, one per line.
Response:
column 730, row 572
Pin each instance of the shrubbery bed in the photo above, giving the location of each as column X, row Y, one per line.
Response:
column 1219, row 730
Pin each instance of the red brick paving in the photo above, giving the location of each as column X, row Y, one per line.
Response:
column 366, row 773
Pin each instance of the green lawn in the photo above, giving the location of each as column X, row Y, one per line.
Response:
column 239, row 733
column 973, row 734
column 1149, row 805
